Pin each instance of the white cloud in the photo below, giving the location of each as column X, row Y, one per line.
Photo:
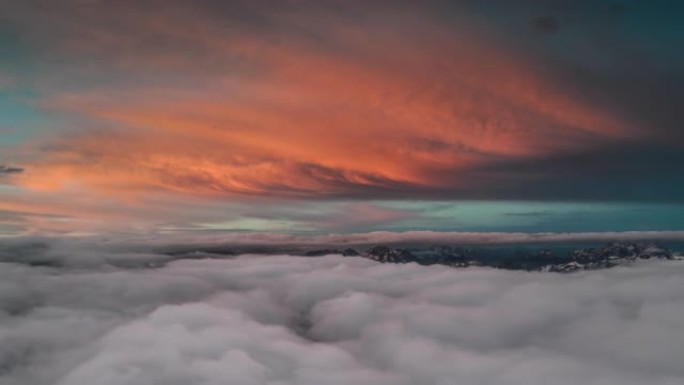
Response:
column 282, row 320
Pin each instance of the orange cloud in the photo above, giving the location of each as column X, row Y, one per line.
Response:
column 316, row 106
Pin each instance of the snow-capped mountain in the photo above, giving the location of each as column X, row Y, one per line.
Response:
column 611, row 255
column 435, row 255
column 348, row 252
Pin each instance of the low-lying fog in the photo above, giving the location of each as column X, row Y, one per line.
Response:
column 281, row 320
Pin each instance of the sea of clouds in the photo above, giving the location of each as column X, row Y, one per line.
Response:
column 104, row 317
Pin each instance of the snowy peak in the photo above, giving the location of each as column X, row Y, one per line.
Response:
column 387, row 254
column 348, row 252
column 613, row 254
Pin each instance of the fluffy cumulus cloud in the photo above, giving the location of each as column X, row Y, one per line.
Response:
column 281, row 320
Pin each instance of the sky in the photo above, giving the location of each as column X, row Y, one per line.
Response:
column 341, row 116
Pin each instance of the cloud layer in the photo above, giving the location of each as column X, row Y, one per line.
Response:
column 333, row 320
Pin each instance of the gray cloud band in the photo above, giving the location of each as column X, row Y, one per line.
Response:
column 10, row 170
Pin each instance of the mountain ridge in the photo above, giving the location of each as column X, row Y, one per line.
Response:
column 611, row 255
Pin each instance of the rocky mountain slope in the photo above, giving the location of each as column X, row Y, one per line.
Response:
column 613, row 254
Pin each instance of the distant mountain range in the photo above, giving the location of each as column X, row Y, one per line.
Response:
column 613, row 254
column 558, row 258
